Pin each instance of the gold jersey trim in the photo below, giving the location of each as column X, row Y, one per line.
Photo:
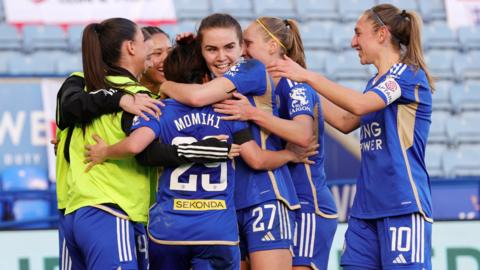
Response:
column 111, row 211
column 192, row 243
column 309, row 172
column 314, row 194
column 265, row 103
column 406, row 129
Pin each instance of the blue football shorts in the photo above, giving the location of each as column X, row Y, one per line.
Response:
column 398, row 242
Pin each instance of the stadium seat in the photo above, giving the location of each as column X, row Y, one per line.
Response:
column 467, row 66
column 2, row 16
column 440, row 63
column 316, row 60
column 350, row 10
column 74, row 37
column 187, row 9
column 316, row 35
column 357, row 85
column 31, row 209
column 432, row 10
column 10, row 38
column 439, row 36
column 5, row 57
column 244, row 23
column 469, row 37
column 346, row 66
column 171, row 29
column 464, row 129
column 463, row 161
column 441, row 97
column 275, row 8
column 342, row 36
column 408, row 5
column 466, row 97
column 19, row 178
column 44, row 37
column 68, row 63
column 238, row 9
column 433, row 159
column 438, row 132
column 186, row 26
column 37, row 64
column 27, row 207
column 317, row 10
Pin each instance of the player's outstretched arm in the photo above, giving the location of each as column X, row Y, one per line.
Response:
column 348, row 99
column 158, row 154
column 198, row 95
column 74, row 105
column 339, row 118
column 205, row 151
column 298, row 131
column 130, row 146
column 260, row 159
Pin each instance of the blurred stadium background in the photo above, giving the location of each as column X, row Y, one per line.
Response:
column 35, row 57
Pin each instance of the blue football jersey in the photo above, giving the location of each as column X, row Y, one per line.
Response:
column 195, row 203
column 300, row 99
column 256, row 186
column 393, row 178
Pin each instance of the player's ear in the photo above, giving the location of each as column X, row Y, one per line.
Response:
column 383, row 34
column 244, row 48
column 273, row 46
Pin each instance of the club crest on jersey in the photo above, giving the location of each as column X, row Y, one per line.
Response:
column 236, row 68
column 390, row 88
column 299, row 100
column 136, row 120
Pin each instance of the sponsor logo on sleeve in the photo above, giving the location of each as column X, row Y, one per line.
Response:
column 390, row 88
column 136, row 120
column 299, row 100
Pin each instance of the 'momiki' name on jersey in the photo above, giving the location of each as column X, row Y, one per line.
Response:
column 191, row 119
column 370, row 137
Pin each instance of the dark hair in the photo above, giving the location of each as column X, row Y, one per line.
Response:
column 101, row 49
column 184, row 63
column 153, row 30
column 219, row 20
column 287, row 34
column 405, row 28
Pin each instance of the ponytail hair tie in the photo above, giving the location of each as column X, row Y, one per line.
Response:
column 98, row 28
column 404, row 13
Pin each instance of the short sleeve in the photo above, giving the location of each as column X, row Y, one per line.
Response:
column 239, row 125
column 389, row 90
column 300, row 100
column 241, row 132
column 249, row 77
column 153, row 123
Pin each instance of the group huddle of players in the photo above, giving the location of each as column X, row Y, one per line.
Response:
column 239, row 132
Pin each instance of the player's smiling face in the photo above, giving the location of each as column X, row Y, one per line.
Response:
column 221, row 49
column 160, row 47
column 365, row 40
column 256, row 46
